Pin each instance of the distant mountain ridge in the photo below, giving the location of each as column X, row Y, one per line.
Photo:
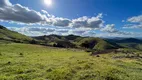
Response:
column 129, row 40
column 133, row 43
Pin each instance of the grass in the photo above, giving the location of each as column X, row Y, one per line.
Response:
column 7, row 36
column 34, row 62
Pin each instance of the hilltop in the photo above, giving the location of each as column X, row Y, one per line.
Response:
column 12, row 36
column 73, row 41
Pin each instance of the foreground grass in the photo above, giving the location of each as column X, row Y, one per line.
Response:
column 33, row 62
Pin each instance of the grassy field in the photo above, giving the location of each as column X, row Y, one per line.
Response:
column 34, row 62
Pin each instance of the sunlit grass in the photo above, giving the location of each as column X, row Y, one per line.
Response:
column 33, row 62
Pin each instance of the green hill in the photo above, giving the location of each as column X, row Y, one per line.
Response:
column 11, row 36
column 71, row 41
column 97, row 43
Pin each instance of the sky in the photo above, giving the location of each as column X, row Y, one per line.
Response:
column 95, row 18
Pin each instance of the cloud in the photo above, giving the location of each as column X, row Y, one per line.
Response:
column 131, row 26
column 60, row 21
column 16, row 13
column 134, row 22
column 110, row 28
column 45, row 12
column 123, row 20
column 106, row 35
column 93, row 22
column 4, row 3
column 33, row 31
column 135, row 19
column 79, row 31
column 39, row 31
column 19, row 13
column 62, row 30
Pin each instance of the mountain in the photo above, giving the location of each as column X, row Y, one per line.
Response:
column 129, row 40
column 132, row 43
column 12, row 36
column 97, row 43
column 54, row 37
column 73, row 41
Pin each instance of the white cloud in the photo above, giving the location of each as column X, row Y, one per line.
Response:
column 106, row 35
column 45, row 12
column 20, row 14
column 110, row 28
column 134, row 22
column 60, row 21
column 123, row 20
column 39, row 31
column 131, row 26
column 93, row 22
column 33, row 31
column 135, row 19
column 16, row 13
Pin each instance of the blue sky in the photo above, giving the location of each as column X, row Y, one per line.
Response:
column 98, row 18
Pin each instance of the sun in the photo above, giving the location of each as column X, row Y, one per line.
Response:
column 48, row 2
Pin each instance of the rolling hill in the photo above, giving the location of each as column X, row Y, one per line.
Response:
column 70, row 41
column 97, row 43
column 73, row 41
column 12, row 36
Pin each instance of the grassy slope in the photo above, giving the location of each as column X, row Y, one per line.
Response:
column 100, row 44
column 33, row 62
column 11, row 35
